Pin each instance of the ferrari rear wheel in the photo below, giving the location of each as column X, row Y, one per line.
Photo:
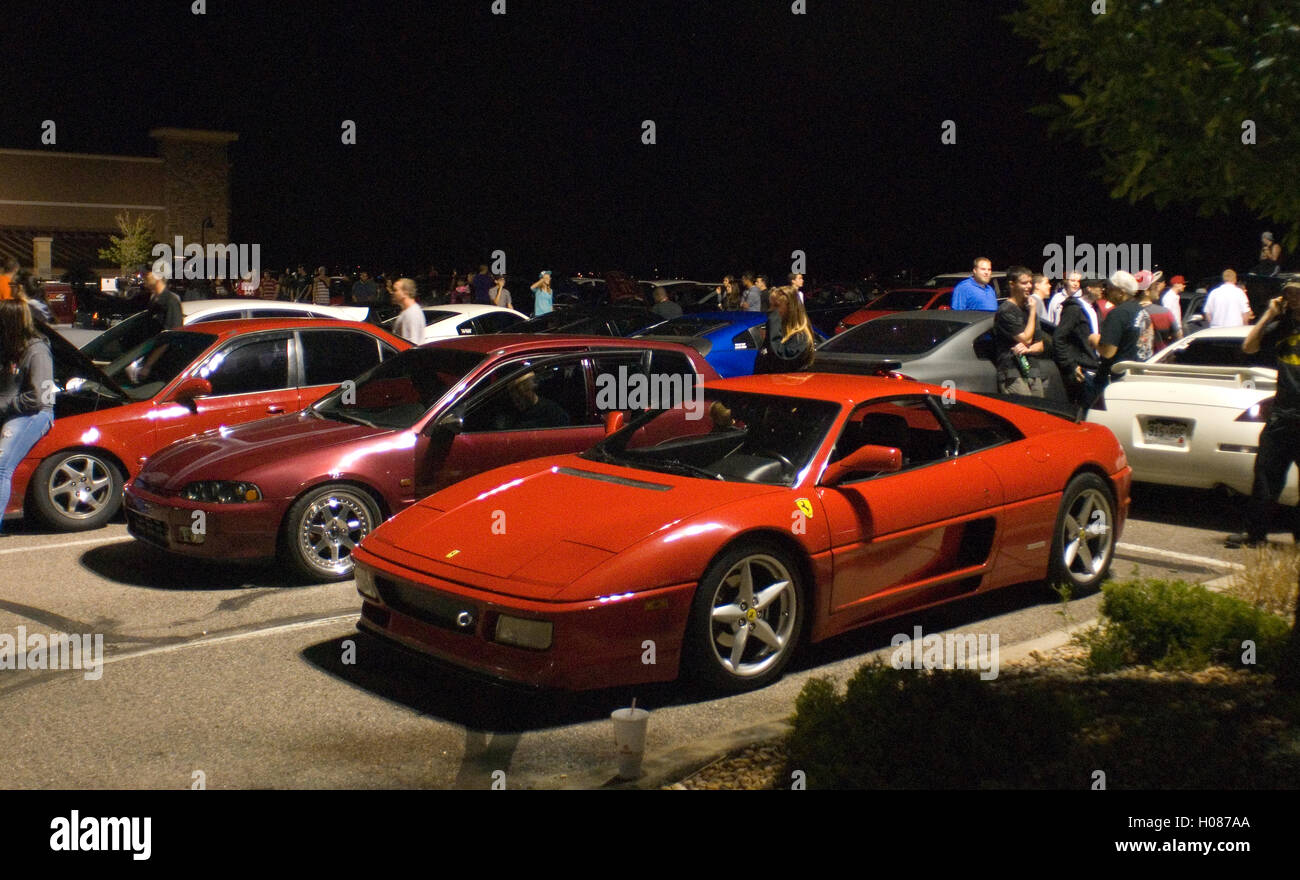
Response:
column 746, row 619
column 323, row 528
column 1084, row 541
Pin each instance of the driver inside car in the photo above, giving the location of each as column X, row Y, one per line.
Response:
column 529, row 410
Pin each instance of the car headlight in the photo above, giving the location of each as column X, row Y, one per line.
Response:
column 366, row 583
column 535, row 634
column 221, row 492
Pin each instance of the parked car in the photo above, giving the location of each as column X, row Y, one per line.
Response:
column 324, row 478
column 902, row 299
column 173, row 385
column 591, row 321
column 111, row 344
column 446, row 321
column 729, row 341
column 943, row 347
column 952, row 279
column 1191, row 415
column 796, row 511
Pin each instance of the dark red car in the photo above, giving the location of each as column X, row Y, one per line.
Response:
column 310, row 485
column 903, row 299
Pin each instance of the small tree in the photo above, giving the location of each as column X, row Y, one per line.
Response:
column 1190, row 101
column 134, row 246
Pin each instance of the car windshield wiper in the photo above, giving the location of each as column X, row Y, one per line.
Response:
column 347, row 417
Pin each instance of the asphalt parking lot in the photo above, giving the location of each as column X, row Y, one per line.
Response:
column 245, row 676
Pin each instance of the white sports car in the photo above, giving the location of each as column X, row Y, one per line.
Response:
column 465, row 319
column 1191, row 415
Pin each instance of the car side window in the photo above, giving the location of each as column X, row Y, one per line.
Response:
column 333, row 356
column 259, row 365
column 745, row 339
column 466, row 328
column 552, row 395
column 978, row 429
column 622, row 383
column 903, row 423
column 219, row 316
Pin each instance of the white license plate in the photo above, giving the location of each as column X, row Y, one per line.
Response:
column 1165, row 432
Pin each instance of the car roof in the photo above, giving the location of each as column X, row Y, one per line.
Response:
column 467, row 309
column 236, row 326
column 203, row 306
column 510, row 343
column 839, row 387
column 964, row 316
column 1220, row 333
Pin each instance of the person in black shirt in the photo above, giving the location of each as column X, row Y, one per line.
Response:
column 164, row 304
column 1279, row 442
column 528, row 409
column 1015, row 338
column 789, row 344
column 1074, row 349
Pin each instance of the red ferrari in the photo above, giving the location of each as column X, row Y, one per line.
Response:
column 311, row 485
column 904, row 299
column 800, row 507
column 174, row 385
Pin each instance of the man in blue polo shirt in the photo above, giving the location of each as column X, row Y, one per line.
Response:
column 976, row 292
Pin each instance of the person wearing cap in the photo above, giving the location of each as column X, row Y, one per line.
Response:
column 1126, row 333
column 542, row 294
column 1172, row 299
column 1227, row 305
column 1270, row 255
column 1277, row 332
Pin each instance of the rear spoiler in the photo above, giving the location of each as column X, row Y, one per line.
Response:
column 854, row 366
column 1256, row 376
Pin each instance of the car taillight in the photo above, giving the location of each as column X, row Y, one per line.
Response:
column 1257, row 413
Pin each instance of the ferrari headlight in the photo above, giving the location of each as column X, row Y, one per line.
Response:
column 535, row 634
column 366, row 583
column 221, row 492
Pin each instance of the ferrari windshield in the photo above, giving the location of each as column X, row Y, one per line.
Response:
column 734, row 436
column 395, row 393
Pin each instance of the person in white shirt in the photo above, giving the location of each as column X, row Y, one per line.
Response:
column 410, row 322
column 1070, row 288
column 1172, row 299
column 1227, row 305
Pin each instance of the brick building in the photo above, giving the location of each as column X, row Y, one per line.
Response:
column 57, row 209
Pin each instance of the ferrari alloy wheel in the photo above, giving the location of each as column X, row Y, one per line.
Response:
column 747, row 617
column 1085, row 533
column 76, row 490
column 325, row 526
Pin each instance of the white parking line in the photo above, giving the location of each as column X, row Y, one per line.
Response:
column 1182, row 557
column 82, row 543
column 233, row 637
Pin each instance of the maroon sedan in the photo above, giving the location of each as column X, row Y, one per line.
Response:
column 903, row 299
column 310, row 485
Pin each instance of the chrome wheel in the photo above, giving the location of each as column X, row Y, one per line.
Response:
column 330, row 528
column 81, row 487
column 1085, row 537
column 753, row 617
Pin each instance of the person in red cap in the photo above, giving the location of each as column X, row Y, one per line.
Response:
column 1173, row 300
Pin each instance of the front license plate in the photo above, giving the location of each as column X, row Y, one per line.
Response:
column 1165, row 432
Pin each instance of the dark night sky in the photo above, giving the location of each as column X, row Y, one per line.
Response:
column 522, row 132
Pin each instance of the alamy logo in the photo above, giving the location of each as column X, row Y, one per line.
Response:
column 948, row 651
column 1094, row 261
column 193, row 261
column 76, row 833
column 635, row 391
column 56, row 651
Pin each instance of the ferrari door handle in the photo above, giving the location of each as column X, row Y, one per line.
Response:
column 275, row 408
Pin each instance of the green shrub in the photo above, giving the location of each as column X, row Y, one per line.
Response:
column 938, row 730
column 1176, row 625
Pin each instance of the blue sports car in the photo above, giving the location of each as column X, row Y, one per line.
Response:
column 729, row 341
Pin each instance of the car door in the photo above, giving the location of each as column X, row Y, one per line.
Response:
column 250, row 379
column 327, row 357
column 901, row 539
column 524, row 408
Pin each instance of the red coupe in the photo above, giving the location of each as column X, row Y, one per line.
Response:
column 904, row 299
column 309, row 486
column 800, row 507
column 179, row 383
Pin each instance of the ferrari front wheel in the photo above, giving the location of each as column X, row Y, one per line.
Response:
column 746, row 619
column 1084, row 538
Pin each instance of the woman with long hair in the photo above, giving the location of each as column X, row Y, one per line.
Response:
column 26, row 391
column 789, row 345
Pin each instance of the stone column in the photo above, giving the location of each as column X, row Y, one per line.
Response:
column 196, row 183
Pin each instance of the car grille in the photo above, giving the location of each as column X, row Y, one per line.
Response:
column 424, row 604
column 146, row 529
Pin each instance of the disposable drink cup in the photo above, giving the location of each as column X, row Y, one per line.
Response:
column 629, row 740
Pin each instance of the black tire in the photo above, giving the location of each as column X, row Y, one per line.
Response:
column 76, row 489
column 1083, row 539
column 710, row 643
column 323, row 526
